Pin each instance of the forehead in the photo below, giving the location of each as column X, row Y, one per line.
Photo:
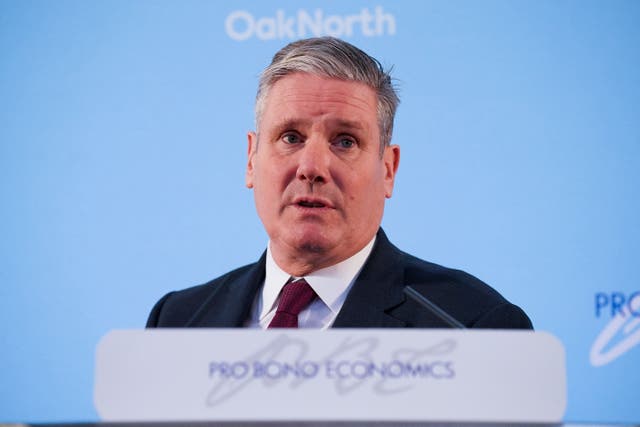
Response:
column 307, row 95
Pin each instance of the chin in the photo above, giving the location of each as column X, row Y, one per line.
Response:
column 312, row 241
column 312, row 248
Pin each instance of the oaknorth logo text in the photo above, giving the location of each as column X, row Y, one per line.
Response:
column 241, row 25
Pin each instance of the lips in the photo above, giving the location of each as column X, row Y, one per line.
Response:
column 308, row 204
column 313, row 203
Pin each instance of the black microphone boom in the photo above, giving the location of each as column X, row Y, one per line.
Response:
column 440, row 313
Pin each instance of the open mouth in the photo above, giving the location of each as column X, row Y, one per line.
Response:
column 310, row 204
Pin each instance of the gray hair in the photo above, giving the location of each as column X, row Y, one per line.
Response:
column 334, row 58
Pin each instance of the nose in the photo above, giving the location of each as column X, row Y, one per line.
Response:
column 314, row 161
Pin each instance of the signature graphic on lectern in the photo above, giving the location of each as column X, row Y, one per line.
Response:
column 352, row 364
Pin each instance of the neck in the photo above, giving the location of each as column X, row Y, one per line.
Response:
column 302, row 264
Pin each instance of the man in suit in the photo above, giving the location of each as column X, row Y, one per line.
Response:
column 321, row 165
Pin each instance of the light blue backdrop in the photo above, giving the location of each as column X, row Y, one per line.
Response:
column 122, row 154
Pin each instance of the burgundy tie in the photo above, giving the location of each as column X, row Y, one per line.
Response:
column 295, row 297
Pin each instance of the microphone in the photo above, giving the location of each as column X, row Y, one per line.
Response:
column 433, row 308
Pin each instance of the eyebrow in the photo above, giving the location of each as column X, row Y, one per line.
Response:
column 349, row 124
column 292, row 123
column 288, row 123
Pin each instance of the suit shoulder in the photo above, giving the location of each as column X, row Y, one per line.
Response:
column 418, row 272
column 421, row 271
column 467, row 298
column 176, row 308
column 208, row 287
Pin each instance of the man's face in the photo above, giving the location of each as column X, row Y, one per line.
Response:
column 315, row 166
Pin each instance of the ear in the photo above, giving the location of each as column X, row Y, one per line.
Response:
column 252, row 146
column 391, row 160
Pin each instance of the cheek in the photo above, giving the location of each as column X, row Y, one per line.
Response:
column 268, row 189
column 373, row 180
column 374, row 189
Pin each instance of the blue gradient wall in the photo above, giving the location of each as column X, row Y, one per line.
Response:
column 122, row 153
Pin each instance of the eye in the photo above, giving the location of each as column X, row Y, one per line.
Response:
column 345, row 142
column 291, row 138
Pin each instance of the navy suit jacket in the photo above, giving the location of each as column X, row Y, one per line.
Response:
column 376, row 299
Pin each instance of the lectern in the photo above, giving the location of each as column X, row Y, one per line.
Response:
column 337, row 375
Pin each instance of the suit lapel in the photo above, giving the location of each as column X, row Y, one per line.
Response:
column 376, row 291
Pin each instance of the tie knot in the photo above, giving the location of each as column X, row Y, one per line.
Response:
column 295, row 297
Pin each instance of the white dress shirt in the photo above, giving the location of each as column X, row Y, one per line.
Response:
column 331, row 284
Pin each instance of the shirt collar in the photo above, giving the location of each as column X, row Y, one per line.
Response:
column 331, row 284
